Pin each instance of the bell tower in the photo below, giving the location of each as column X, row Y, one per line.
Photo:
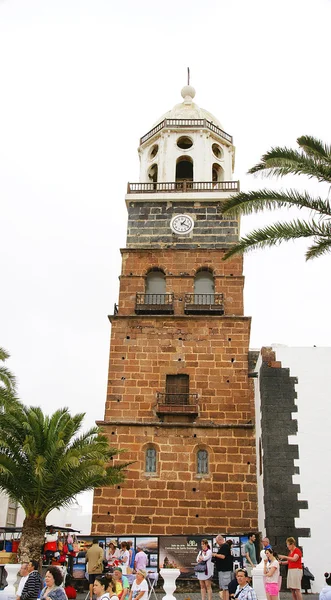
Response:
column 179, row 399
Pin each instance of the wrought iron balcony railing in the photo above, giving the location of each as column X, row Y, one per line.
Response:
column 177, row 404
column 204, row 304
column 154, row 304
column 163, row 187
column 188, row 124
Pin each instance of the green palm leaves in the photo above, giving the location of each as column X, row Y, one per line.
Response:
column 45, row 463
column 7, row 381
column 313, row 160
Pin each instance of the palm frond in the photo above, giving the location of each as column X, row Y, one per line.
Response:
column 7, row 378
column 44, row 463
column 314, row 147
column 273, row 235
column 278, row 162
column 257, row 201
column 322, row 246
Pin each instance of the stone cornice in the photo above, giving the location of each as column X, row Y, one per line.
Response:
column 182, row 425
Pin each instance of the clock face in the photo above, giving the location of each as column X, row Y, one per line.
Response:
column 182, row 224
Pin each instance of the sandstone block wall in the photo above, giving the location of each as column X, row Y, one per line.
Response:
column 176, row 500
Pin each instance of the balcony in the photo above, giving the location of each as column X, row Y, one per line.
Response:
column 189, row 124
column 154, row 304
column 177, row 404
column 164, row 187
column 204, row 304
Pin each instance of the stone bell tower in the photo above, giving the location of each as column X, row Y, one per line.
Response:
column 179, row 399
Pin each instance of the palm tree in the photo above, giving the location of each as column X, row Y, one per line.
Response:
column 44, row 464
column 7, row 381
column 313, row 160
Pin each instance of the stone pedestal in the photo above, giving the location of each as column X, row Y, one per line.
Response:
column 258, row 581
column 169, row 577
column 9, row 593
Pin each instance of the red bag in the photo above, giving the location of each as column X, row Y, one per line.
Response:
column 50, row 546
column 65, row 549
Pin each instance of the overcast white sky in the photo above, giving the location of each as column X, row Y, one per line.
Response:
column 81, row 81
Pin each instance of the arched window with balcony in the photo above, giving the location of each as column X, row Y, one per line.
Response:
column 204, row 287
column 202, row 462
column 204, row 300
column 150, row 460
column 154, row 299
column 204, row 282
column 155, row 282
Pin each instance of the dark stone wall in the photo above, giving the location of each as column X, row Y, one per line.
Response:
column 277, row 390
column 149, row 225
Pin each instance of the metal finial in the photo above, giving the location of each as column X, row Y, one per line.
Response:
column 188, row 75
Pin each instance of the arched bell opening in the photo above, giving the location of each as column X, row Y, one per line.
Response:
column 184, row 169
column 152, row 173
column 217, row 173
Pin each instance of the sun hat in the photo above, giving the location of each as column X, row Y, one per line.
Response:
column 142, row 572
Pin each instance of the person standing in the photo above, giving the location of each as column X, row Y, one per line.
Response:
column 112, row 555
column 271, row 573
column 32, row 586
column 124, row 557
column 294, row 573
column 265, row 546
column 24, row 575
column 224, row 565
column 250, row 553
column 141, row 559
column 132, row 554
column 205, row 578
column 94, row 559
column 244, row 591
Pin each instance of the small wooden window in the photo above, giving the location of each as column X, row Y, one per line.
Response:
column 150, row 460
column 177, row 389
column 202, row 462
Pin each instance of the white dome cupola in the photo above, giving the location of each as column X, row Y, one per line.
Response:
column 187, row 144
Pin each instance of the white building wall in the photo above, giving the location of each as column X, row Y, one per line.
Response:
column 75, row 516
column 168, row 153
column 312, row 366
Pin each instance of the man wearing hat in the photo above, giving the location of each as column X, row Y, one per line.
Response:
column 139, row 589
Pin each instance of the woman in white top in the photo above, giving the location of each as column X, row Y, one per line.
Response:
column 206, row 577
column 139, row 589
column 104, row 587
column 325, row 593
column 124, row 557
column 112, row 555
column 271, row 573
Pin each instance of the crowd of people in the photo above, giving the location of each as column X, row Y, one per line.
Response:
column 237, row 584
column 108, row 569
column 105, row 586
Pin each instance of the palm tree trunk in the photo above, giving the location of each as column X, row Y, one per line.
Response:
column 32, row 540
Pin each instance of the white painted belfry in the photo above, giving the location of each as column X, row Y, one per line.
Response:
column 208, row 147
